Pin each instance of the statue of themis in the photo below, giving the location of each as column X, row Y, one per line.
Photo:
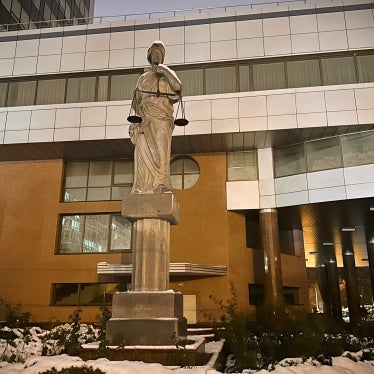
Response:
column 158, row 88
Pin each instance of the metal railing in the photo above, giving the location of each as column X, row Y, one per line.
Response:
column 151, row 15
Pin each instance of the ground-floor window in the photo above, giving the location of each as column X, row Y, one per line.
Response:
column 256, row 294
column 83, row 294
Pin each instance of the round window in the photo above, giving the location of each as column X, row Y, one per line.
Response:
column 184, row 172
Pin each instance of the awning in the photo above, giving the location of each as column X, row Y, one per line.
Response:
column 176, row 269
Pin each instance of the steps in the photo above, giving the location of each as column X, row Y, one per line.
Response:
column 205, row 331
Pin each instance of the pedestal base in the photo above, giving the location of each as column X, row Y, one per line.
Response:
column 153, row 331
column 147, row 318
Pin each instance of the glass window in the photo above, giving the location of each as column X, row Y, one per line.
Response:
column 304, row 73
column 290, row 295
column 184, row 173
column 286, row 242
column 358, row 149
column 91, row 294
column 220, row 80
column 269, row 76
column 323, row 154
column 102, row 91
column 120, row 233
column 104, row 181
column 76, row 174
column 256, row 294
column 110, row 290
column 94, row 233
column 289, row 160
column 16, row 9
column 124, row 172
column 84, row 293
column 3, row 93
column 80, row 90
column 65, row 294
column 242, row 166
column 192, row 81
column 244, row 78
column 50, row 91
column 21, row 93
column 122, row 86
column 365, row 67
column 72, row 229
column 98, row 193
column 100, row 174
column 338, row 70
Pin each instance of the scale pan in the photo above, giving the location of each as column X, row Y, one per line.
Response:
column 181, row 122
column 134, row 119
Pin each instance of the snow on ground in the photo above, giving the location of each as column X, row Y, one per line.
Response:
column 30, row 349
column 35, row 365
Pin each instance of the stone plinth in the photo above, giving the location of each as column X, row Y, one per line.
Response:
column 155, row 205
column 147, row 318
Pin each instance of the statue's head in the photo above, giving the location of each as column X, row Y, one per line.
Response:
column 156, row 53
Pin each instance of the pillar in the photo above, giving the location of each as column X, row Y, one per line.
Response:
column 273, row 298
column 370, row 250
column 323, row 286
column 150, row 314
column 334, row 290
column 351, row 283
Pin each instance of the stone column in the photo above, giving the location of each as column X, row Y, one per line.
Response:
column 334, row 290
column 351, row 284
column 323, row 286
column 269, row 230
column 150, row 314
column 370, row 250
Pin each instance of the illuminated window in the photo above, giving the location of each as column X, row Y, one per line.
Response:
column 184, row 173
column 94, row 233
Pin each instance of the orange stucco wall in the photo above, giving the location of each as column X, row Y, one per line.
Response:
column 29, row 223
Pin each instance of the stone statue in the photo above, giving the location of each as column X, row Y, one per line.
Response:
column 158, row 88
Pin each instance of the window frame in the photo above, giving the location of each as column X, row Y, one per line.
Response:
column 82, row 252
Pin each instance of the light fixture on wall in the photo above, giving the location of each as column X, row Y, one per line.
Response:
column 348, row 229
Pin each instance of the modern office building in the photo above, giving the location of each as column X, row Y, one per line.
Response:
column 274, row 173
column 27, row 14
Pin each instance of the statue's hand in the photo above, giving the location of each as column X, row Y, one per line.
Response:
column 159, row 69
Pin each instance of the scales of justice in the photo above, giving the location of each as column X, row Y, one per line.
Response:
column 150, row 313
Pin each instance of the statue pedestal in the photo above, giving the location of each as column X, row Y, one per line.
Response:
column 150, row 314
column 147, row 318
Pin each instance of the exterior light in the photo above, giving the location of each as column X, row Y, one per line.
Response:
column 348, row 229
column 372, row 209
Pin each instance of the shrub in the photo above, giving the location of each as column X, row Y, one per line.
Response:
column 258, row 345
column 72, row 370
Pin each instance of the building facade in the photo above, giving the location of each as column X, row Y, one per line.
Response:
column 26, row 14
column 274, row 173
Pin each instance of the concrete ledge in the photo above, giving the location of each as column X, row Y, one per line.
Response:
column 147, row 206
